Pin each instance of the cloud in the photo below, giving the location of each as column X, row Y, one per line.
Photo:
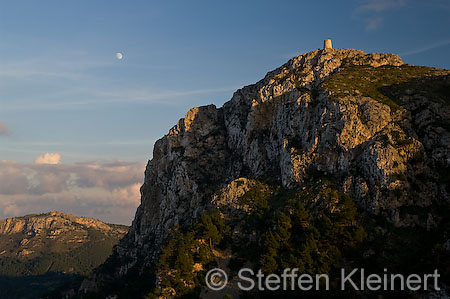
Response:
column 109, row 175
column 426, row 48
column 12, row 179
column 371, row 11
column 4, row 130
column 95, row 98
column 109, row 191
column 127, row 195
column 12, row 210
column 52, row 65
column 50, row 181
column 69, row 81
column 374, row 23
column 48, row 158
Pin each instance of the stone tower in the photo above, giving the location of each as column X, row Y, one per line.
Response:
column 327, row 44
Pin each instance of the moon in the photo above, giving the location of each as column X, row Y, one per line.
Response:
column 119, row 56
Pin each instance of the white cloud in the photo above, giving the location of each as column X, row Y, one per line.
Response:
column 4, row 130
column 129, row 195
column 109, row 191
column 12, row 179
column 48, row 158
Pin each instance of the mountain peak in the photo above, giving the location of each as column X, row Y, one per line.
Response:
column 307, row 71
column 365, row 126
column 323, row 62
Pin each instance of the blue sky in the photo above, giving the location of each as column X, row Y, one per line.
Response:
column 62, row 90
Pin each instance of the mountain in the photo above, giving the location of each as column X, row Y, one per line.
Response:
column 336, row 159
column 39, row 253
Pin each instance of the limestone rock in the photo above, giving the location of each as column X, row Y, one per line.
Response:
column 290, row 129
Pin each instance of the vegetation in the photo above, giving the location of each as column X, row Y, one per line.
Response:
column 407, row 250
column 387, row 83
column 290, row 233
column 80, row 260
column 183, row 259
column 311, row 243
column 33, row 263
column 316, row 229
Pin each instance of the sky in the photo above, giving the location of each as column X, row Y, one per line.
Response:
column 77, row 125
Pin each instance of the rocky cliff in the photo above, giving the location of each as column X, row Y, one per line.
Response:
column 376, row 128
column 32, row 235
column 56, row 224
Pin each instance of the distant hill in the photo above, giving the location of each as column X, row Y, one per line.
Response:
column 39, row 253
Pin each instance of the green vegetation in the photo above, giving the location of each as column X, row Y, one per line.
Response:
column 316, row 229
column 181, row 262
column 407, row 249
column 35, row 262
column 386, row 83
column 80, row 260
column 290, row 233
column 311, row 242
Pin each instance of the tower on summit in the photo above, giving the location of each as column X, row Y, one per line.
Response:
column 327, row 44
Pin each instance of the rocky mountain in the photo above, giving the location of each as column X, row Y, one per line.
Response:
column 38, row 253
column 359, row 142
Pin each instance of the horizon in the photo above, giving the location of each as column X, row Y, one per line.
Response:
column 78, row 121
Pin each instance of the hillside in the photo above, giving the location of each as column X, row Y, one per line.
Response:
column 336, row 159
column 40, row 252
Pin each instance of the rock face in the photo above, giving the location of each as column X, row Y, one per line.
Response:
column 292, row 127
column 33, row 235
column 55, row 223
